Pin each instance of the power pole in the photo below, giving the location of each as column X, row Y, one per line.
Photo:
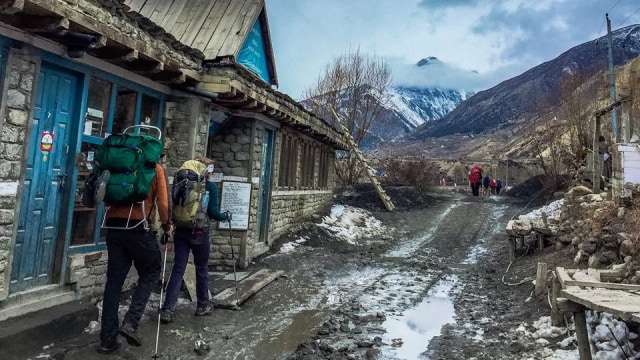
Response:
column 506, row 178
column 612, row 84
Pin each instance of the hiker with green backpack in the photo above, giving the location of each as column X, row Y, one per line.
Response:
column 132, row 184
column 195, row 202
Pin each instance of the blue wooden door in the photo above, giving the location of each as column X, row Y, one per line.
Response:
column 262, row 221
column 43, row 193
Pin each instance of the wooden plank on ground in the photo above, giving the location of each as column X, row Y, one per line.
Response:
column 582, row 276
column 619, row 303
column 602, row 285
column 541, row 278
column 246, row 288
column 563, row 276
column 189, row 279
column 594, row 274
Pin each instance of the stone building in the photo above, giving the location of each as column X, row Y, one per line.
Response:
column 75, row 71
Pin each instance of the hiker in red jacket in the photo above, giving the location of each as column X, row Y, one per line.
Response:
column 475, row 179
column 493, row 185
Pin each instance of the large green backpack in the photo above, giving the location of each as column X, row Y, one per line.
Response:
column 130, row 158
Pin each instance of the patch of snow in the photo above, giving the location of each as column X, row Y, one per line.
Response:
column 292, row 246
column 350, row 223
column 551, row 210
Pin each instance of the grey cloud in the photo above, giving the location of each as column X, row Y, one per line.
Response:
column 438, row 74
column 444, row 4
column 540, row 41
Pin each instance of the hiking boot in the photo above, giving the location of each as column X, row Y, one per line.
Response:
column 130, row 334
column 108, row 347
column 204, row 310
column 167, row 316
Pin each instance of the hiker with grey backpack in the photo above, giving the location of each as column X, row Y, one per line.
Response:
column 195, row 204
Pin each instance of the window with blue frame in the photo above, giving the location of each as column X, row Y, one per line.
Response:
column 111, row 108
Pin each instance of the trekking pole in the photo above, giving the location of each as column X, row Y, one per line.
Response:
column 164, row 265
column 233, row 257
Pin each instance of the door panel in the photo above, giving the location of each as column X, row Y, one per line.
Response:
column 264, row 195
column 45, row 173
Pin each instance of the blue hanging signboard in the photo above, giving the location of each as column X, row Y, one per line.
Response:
column 252, row 54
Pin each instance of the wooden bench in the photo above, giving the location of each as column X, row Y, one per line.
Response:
column 575, row 291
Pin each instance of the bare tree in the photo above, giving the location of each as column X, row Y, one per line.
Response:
column 578, row 100
column 356, row 87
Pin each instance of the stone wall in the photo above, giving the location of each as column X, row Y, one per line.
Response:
column 289, row 207
column 231, row 149
column 186, row 131
column 16, row 105
column 237, row 151
column 86, row 273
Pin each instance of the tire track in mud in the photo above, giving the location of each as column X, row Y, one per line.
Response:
column 483, row 303
column 411, row 270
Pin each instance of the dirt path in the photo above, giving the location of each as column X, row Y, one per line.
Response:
column 429, row 286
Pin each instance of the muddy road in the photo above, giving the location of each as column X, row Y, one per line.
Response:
column 427, row 286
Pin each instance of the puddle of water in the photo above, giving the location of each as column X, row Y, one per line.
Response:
column 417, row 326
column 301, row 327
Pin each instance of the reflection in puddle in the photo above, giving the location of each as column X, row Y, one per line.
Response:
column 416, row 327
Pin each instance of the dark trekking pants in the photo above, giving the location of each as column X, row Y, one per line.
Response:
column 475, row 188
column 187, row 240
column 126, row 247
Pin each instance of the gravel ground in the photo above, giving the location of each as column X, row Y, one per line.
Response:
column 429, row 286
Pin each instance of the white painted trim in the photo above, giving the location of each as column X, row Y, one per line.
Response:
column 234, row 178
column 300, row 192
column 57, row 49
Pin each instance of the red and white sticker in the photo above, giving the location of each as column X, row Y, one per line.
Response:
column 46, row 141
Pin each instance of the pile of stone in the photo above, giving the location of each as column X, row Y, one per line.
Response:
column 543, row 222
column 587, row 224
column 592, row 224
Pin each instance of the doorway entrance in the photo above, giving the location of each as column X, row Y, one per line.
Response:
column 264, row 195
column 43, row 195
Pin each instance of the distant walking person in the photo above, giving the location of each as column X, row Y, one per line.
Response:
column 498, row 186
column 475, row 179
column 603, row 149
column 493, row 185
column 485, row 185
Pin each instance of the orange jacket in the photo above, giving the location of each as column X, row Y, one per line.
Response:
column 158, row 192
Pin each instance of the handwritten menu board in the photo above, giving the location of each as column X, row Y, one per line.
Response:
column 236, row 197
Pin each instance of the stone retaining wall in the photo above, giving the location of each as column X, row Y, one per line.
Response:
column 16, row 105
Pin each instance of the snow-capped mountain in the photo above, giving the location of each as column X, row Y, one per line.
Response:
column 534, row 91
column 421, row 92
column 415, row 106
column 418, row 96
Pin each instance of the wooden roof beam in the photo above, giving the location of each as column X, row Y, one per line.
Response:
column 115, row 35
column 130, row 56
column 44, row 24
column 11, row 7
column 168, row 77
column 148, row 67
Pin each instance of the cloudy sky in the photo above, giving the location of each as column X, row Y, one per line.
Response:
column 498, row 39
